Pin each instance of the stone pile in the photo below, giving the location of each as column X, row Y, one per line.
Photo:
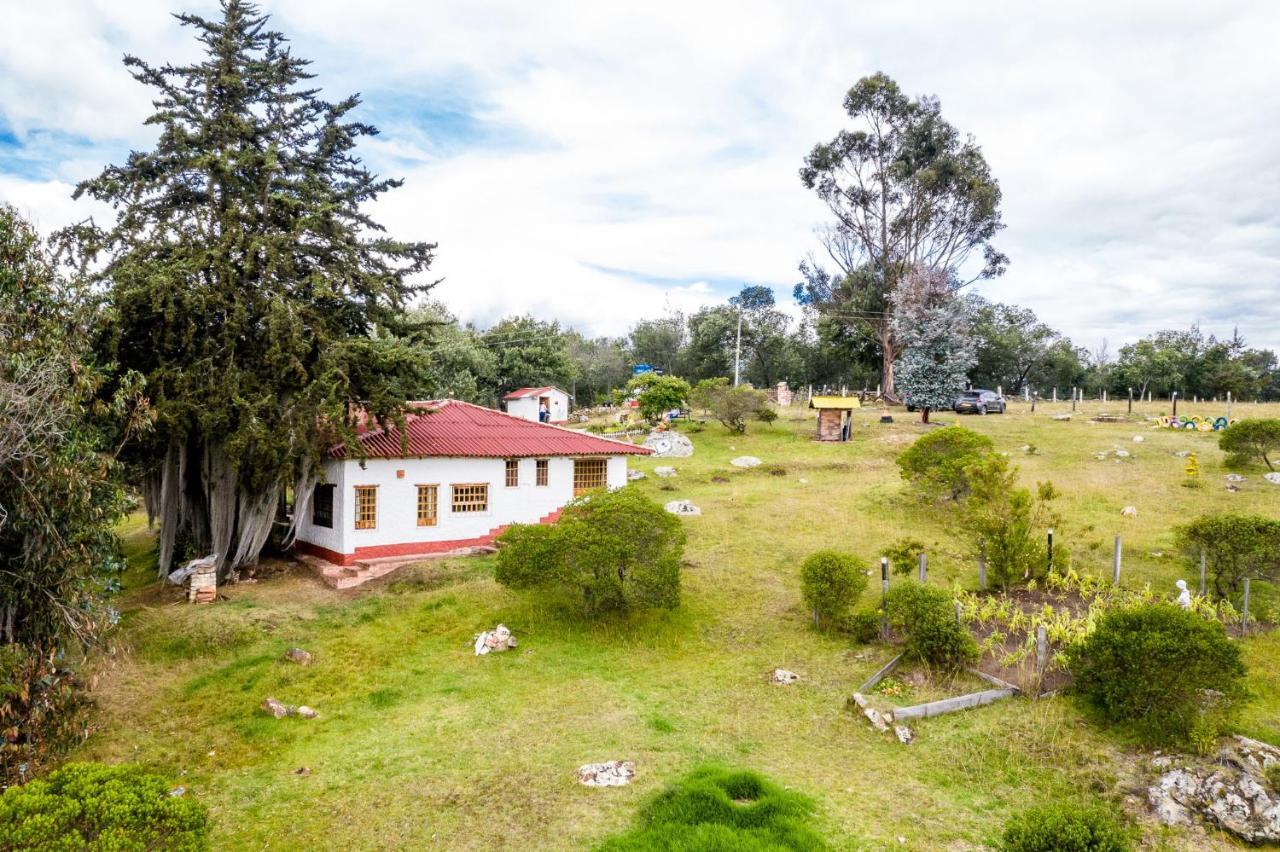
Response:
column 682, row 507
column 1231, row 791
column 783, row 677
column 611, row 773
column 202, row 585
column 496, row 640
column 279, row 709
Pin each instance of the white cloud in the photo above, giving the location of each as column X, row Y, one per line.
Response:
column 1135, row 143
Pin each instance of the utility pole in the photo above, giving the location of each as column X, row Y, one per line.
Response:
column 737, row 349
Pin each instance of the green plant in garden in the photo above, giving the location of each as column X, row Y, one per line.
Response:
column 657, row 394
column 1251, row 441
column 732, row 405
column 1234, row 546
column 1148, row 668
column 1066, row 827
column 862, row 626
column 937, row 462
column 831, row 583
column 904, row 555
column 92, row 806
column 927, row 616
column 619, row 550
column 1007, row 523
column 722, row 809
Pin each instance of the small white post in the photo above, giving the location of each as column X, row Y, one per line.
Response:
column 924, row 568
column 1115, row 564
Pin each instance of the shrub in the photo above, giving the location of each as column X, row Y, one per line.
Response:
column 831, row 583
column 43, row 709
column 731, row 405
column 722, row 809
column 904, row 555
column 935, row 464
column 1007, row 523
column 88, row 805
column 928, row 618
column 1148, row 668
column 657, row 394
column 1235, row 547
column 863, row 626
column 619, row 550
column 766, row 414
column 1250, row 441
column 1066, row 827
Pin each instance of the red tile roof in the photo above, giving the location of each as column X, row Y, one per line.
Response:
column 452, row 428
column 521, row 393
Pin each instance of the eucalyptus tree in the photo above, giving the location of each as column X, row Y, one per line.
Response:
column 248, row 284
column 906, row 191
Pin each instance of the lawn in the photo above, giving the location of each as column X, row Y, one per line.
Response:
column 422, row 744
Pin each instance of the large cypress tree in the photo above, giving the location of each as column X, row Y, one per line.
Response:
column 248, row 285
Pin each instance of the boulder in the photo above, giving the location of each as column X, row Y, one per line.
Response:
column 496, row 640
column 1230, row 791
column 276, row 708
column 1138, row 439
column 669, row 445
column 783, row 677
column 611, row 773
column 682, row 507
column 1129, row 511
column 306, row 712
column 299, row 656
column 745, row 461
column 904, row 734
column 633, row 475
column 664, row 472
column 1273, row 478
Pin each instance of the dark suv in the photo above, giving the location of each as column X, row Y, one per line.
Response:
column 979, row 402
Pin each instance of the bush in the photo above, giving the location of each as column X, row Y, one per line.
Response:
column 935, row 464
column 619, row 550
column 731, row 405
column 43, row 710
column 1006, row 523
column 88, row 805
column 1148, row 668
column 1235, row 547
column 831, row 583
column 657, row 394
column 1066, row 827
column 1250, row 441
column 904, row 555
column 863, row 627
column 928, row 618
column 722, row 809
column 766, row 415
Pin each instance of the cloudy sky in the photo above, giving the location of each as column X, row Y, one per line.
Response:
column 598, row 162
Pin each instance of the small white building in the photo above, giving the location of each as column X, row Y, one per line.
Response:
column 529, row 402
column 468, row 472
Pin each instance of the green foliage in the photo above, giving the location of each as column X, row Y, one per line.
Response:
column 656, row 395
column 731, row 405
column 936, row 463
column 831, row 583
column 717, row 810
column 92, row 806
column 1066, row 827
column 862, row 626
column 1251, row 441
column 43, row 710
column 1146, row 668
column 528, row 353
column 928, row 618
column 1235, row 547
column 1007, row 523
column 619, row 550
column 904, row 555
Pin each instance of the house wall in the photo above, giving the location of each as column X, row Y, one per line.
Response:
column 830, row 421
column 397, row 531
column 527, row 407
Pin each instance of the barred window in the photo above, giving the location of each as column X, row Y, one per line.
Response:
column 543, row 464
column 322, row 506
column 588, row 475
column 472, row 497
column 366, row 507
column 427, row 505
column 513, row 472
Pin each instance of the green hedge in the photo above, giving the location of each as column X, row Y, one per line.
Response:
column 927, row 616
column 1066, row 827
column 831, row 582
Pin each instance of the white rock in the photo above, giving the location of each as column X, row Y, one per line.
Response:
column 1273, row 478
column 745, row 461
column 611, row 773
column 783, row 677
column 664, row 472
column 669, row 445
column 306, row 712
column 1122, row 454
column 1138, row 439
column 682, row 507
column 1062, row 417
column 633, row 475
column 905, row 736
column 1182, row 454
column 1234, row 477
column 496, row 640
column 1129, row 511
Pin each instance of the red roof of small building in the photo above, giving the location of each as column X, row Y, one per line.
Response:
column 521, row 393
column 452, row 428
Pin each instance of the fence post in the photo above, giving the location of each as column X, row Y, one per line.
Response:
column 1202, row 565
column 982, row 567
column 1073, row 399
column 1055, row 393
column 1130, row 400
column 1042, row 650
column 959, row 617
column 924, row 568
column 1034, row 397
column 1174, row 397
column 1115, row 564
column 884, row 593
column 1050, row 565
column 1244, row 615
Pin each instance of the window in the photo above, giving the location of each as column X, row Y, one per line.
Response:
column 427, row 505
column 542, row 471
column 588, row 475
column 366, row 507
column 472, row 497
column 513, row 472
column 322, row 506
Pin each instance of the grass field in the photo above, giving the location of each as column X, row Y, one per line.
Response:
column 421, row 744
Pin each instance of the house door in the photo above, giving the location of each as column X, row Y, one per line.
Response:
column 589, row 475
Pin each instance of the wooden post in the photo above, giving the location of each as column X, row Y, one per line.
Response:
column 1073, row 399
column 1174, row 397
column 1115, row 564
column 1034, row 397
column 982, row 567
column 1055, row 393
column 924, row 568
column 884, row 593
column 1244, row 614
column 1202, row 565
column 1130, row 400
column 1050, row 561
column 1228, row 406
column 1042, row 650
column 1104, row 394
column 959, row 617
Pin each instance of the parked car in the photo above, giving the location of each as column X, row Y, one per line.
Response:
column 980, row 402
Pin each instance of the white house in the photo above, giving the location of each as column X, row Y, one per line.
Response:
column 468, row 472
column 528, row 402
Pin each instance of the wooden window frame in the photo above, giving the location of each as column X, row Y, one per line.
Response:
column 579, row 488
column 511, row 473
column 434, row 503
column 316, row 518
column 542, row 472
column 371, row 523
column 453, row 499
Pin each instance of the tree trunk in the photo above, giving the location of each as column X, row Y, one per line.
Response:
column 924, row 415
column 888, row 352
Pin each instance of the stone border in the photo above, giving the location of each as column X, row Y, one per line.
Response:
column 1003, row 690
